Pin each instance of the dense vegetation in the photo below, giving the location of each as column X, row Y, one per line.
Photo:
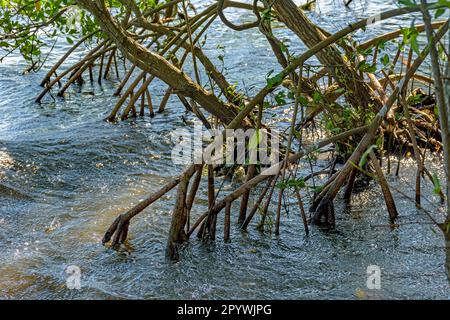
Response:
column 371, row 104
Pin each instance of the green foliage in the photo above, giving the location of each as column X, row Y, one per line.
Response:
column 385, row 60
column 364, row 66
column 255, row 140
column 29, row 25
column 304, row 102
column 280, row 98
column 407, row 3
column 415, row 99
column 233, row 93
column 410, row 36
column 274, row 81
column 268, row 15
column 145, row 5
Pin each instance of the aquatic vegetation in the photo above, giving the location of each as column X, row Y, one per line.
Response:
column 369, row 103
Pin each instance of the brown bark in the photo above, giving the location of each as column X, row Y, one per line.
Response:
column 177, row 234
column 389, row 199
column 325, row 207
column 443, row 100
column 244, row 202
column 227, row 223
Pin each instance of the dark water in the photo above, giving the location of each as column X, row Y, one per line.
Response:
column 65, row 175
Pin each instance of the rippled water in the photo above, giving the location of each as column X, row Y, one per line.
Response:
column 65, row 174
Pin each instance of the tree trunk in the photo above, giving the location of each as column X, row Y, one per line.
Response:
column 359, row 94
column 176, row 233
column 442, row 89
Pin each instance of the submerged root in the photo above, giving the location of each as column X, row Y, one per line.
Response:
column 364, row 111
column 118, row 229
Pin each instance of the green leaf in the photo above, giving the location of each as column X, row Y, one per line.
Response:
column 415, row 45
column 298, row 183
column 365, row 155
column 407, row 3
column 274, row 81
column 317, row 97
column 366, row 67
column 385, row 60
column 304, row 102
column 280, row 98
column 439, row 12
